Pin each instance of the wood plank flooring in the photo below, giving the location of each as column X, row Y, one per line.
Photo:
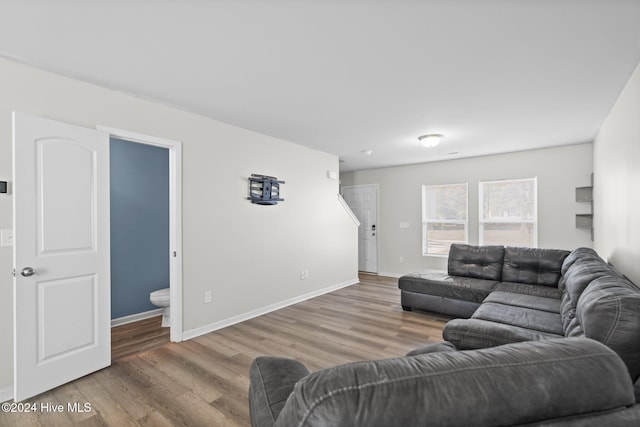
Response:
column 204, row 381
column 138, row 336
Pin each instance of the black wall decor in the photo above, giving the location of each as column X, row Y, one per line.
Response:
column 3, row 186
column 264, row 190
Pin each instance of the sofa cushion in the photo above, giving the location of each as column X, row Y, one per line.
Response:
column 272, row 381
column 609, row 311
column 579, row 254
column 443, row 285
column 432, row 348
column 533, row 266
column 578, row 273
column 509, row 385
column 521, row 288
column 513, row 299
column 469, row 334
column 523, row 317
column 480, row 262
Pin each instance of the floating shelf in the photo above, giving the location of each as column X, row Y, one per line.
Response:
column 585, row 195
column 584, row 221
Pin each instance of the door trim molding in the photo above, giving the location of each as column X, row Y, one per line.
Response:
column 378, row 241
column 175, row 216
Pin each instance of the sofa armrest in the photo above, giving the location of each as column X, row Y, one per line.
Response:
column 271, row 382
column 432, row 348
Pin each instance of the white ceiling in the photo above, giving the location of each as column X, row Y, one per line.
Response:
column 353, row 75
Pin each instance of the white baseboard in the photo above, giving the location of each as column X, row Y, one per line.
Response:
column 6, row 393
column 135, row 317
column 192, row 333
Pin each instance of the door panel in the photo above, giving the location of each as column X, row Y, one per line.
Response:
column 61, row 244
column 58, row 328
column 56, row 189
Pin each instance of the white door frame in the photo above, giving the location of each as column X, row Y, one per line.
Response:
column 378, row 241
column 175, row 217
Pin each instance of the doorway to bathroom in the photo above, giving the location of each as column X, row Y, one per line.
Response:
column 139, row 212
column 145, row 240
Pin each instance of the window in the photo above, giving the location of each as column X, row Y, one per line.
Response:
column 508, row 213
column 444, row 217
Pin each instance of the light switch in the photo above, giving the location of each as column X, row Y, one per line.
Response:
column 6, row 237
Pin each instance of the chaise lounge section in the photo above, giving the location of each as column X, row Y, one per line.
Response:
column 474, row 272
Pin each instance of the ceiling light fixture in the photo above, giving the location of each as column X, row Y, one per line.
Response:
column 430, row 140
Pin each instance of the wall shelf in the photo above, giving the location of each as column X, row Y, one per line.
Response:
column 585, row 195
column 584, row 221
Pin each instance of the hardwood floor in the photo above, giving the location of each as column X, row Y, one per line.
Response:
column 138, row 336
column 204, row 381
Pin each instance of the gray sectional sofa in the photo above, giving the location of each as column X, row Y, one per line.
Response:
column 543, row 337
column 539, row 294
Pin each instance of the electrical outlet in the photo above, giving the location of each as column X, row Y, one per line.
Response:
column 304, row 274
column 207, row 297
column 401, row 259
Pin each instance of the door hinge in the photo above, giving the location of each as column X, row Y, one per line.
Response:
column 14, row 272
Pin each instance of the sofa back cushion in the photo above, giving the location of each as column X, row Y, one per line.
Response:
column 579, row 269
column 577, row 256
column 533, row 266
column 480, row 262
column 558, row 379
column 608, row 311
column 601, row 304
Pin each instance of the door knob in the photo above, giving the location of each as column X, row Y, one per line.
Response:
column 27, row 272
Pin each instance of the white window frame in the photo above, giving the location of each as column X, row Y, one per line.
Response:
column 426, row 222
column 533, row 221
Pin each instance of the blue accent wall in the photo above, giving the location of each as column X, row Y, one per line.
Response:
column 139, row 225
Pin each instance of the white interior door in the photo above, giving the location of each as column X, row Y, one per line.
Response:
column 61, row 253
column 363, row 201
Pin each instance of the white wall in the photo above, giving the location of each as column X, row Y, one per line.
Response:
column 249, row 256
column 617, row 183
column 559, row 171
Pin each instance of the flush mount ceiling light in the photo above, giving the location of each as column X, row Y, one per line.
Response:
column 430, row 140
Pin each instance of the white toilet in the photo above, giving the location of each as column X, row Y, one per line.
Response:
column 160, row 298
